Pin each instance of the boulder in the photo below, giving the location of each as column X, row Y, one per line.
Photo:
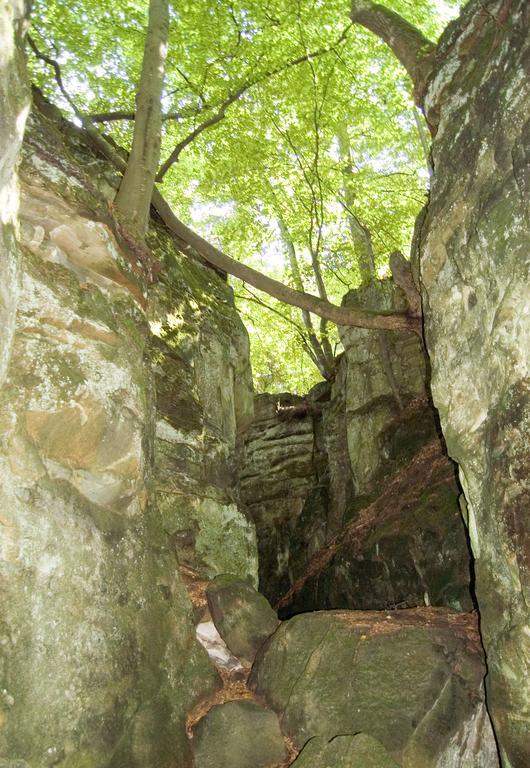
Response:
column 411, row 679
column 238, row 734
column 242, row 616
column 359, row 751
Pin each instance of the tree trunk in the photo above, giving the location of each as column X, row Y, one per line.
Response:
column 360, row 235
column 474, row 245
column 134, row 195
column 325, row 365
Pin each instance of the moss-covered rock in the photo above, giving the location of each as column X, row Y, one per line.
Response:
column 238, row 734
column 359, row 751
column 410, row 679
column 243, row 617
column 313, row 464
column 475, row 273
column 100, row 665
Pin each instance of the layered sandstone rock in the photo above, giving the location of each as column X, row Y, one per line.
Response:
column 99, row 656
column 313, row 466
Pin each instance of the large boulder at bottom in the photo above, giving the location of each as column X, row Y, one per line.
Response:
column 242, row 616
column 238, row 734
column 359, row 751
column 411, row 679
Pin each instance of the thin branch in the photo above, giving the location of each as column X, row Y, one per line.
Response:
column 256, row 300
column 237, row 94
column 57, row 72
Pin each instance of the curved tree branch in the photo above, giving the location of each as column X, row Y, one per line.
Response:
column 194, row 245
column 191, row 241
column 412, row 48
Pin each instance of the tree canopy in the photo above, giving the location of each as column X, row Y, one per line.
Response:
column 289, row 138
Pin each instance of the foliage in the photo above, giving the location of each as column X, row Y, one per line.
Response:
column 273, row 153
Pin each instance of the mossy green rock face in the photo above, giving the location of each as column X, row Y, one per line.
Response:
column 359, row 751
column 410, row 679
column 99, row 663
column 238, row 734
column 475, row 241
column 200, row 353
column 242, row 616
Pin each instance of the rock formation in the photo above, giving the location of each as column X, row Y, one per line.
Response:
column 315, row 465
column 475, row 275
column 133, row 472
column 99, row 656
column 345, row 672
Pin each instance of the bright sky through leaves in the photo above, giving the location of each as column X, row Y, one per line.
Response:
column 274, row 155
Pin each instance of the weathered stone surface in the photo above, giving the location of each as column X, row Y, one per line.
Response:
column 99, row 660
column 359, row 751
column 200, row 352
column 474, row 246
column 385, row 371
column 278, row 474
column 411, row 679
column 238, row 734
column 341, row 445
column 242, row 616
column 14, row 101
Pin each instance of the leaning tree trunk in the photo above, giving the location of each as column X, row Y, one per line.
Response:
column 474, row 246
column 14, row 106
column 134, row 195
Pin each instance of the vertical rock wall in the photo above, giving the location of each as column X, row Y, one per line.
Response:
column 203, row 379
column 99, row 662
column 315, row 465
column 14, row 105
column 475, row 246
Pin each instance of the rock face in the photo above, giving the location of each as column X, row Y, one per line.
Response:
column 360, row 751
column 238, row 734
column 313, row 464
column 242, row 616
column 474, row 246
column 279, row 480
column 410, row 679
column 203, row 382
column 99, row 658
column 14, row 101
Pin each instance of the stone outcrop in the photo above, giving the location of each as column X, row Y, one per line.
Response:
column 279, row 479
column 242, row 616
column 14, row 106
column 474, row 245
column 314, row 465
column 360, row 751
column 203, row 383
column 410, row 679
column 238, row 734
column 99, row 657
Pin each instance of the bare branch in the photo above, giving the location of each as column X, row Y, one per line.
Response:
column 57, row 73
column 213, row 120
